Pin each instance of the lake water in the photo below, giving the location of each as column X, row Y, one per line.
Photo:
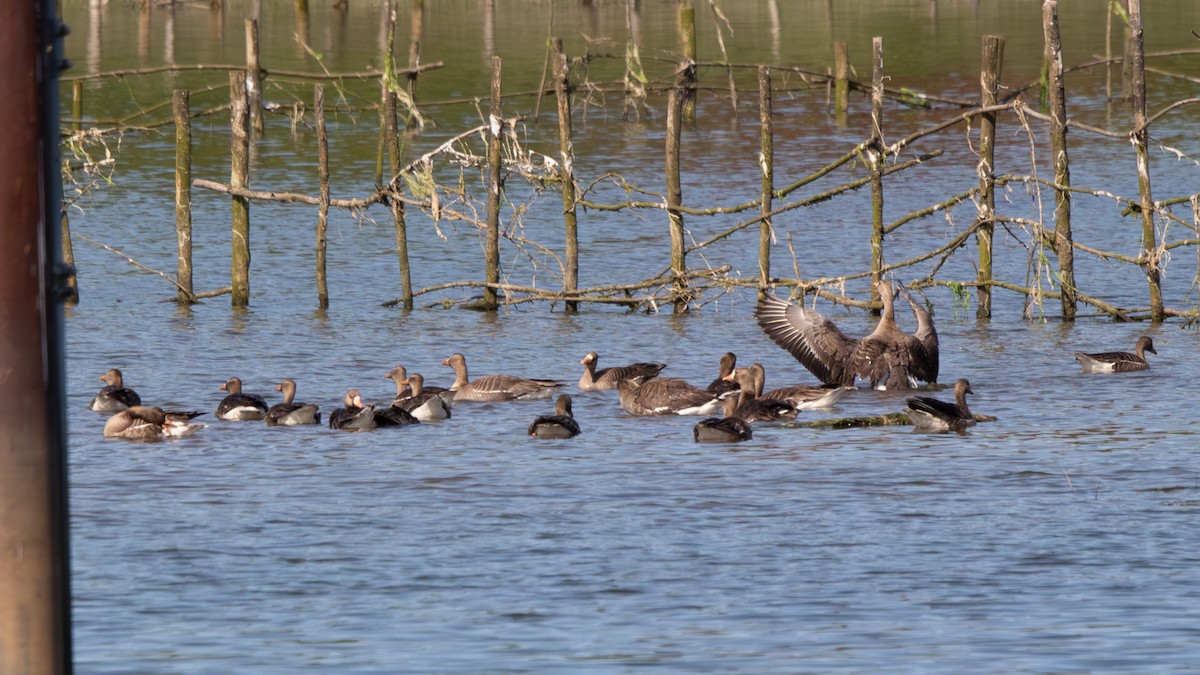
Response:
column 1058, row 538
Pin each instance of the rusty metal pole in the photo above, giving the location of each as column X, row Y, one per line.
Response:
column 35, row 598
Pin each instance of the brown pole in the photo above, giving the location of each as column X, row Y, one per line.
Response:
column 254, row 78
column 322, row 193
column 1151, row 256
column 68, row 257
column 35, row 598
column 676, row 102
column 566, row 152
column 767, row 167
column 496, row 121
column 77, row 105
column 877, row 158
column 239, row 177
column 841, row 79
column 989, row 84
column 397, row 183
column 414, row 59
column 1062, row 168
column 687, row 36
column 181, row 111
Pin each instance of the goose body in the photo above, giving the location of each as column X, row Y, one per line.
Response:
column 355, row 415
column 727, row 429
column 239, row 405
column 114, row 396
column 803, row 397
column 1118, row 362
column 146, row 423
column 607, row 378
column 926, row 361
column 290, row 413
column 725, row 368
column 931, row 414
column 425, row 405
column 666, row 396
column 886, row 359
column 404, row 391
column 750, row 407
column 497, row 387
column 561, row 424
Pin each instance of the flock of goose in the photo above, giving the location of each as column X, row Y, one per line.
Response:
column 887, row 358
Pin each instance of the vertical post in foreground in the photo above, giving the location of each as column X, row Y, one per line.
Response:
column 675, row 112
column 239, row 177
column 877, row 157
column 322, row 194
column 1151, row 255
column 989, row 84
column 253, row 78
column 396, row 183
column 181, row 111
column 766, row 161
column 1062, row 168
column 687, row 36
column 496, row 129
column 566, row 151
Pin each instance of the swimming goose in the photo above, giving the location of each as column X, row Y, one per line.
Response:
column 727, row 429
column 930, row 414
column 496, row 387
column 238, row 405
column 926, row 366
column 726, row 366
column 354, row 416
column 607, row 378
column 146, row 423
column 666, row 396
column 753, row 409
column 400, row 376
column 561, row 424
column 424, row 404
column 804, row 397
column 887, row 358
column 290, row 413
column 1118, row 362
column 114, row 396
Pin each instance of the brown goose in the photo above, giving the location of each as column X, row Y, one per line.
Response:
column 727, row 429
column 726, row 366
column 145, row 423
column 496, row 387
column 607, row 378
column 930, row 414
column 290, row 413
column 424, row 404
column 114, row 396
column 355, row 415
column 804, row 397
column 1118, row 362
column 666, row 396
column 400, row 376
column 753, row 409
column 887, row 358
column 926, row 366
column 561, row 424
column 238, row 405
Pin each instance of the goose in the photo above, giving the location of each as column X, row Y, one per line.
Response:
column 726, row 366
column 146, row 423
column 607, row 378
column 727, row 429
column 424, row 404
column 561, row 424
column 114, row 396
column 290, row 413
column 927, row 362
column 804, row 397
column 930, row 414
column 238, row 405
column 399, row 375
column 496, row 387
column 666, row 396
column 359, row 416
column 1118, row 362
column 887, row 358
column 753, row 409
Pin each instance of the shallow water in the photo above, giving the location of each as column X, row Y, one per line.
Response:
column 1058, row 538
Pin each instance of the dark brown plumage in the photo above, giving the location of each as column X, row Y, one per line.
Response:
column 931, row 414
column 607, row 378
column 561, row 424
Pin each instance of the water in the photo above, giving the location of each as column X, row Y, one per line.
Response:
column 1058, row 538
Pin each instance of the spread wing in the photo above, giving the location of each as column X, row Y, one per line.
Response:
column 818, row 344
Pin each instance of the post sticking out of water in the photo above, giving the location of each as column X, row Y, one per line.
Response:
column 414, row 60
column 181, row 111
column 496, row 124
column 239, row 178
column 1062, row 168
column 254, row 78
column 322, row 194
column 393, row 143
column 1151, row 255
column 68, row 257
column 841, row 79
column 989, row 84
column 675, row 111
column 687, row 36
column 877, row 157
column 766, row 161
column 566, row 151
column 77, row 105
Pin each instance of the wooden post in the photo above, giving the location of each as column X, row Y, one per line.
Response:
column 876, row 157
column 414, row 60
column 766, row 160
column 385, row 94
column 239, row 177
column 675, row 112
column 322, row 193
column 496, row 123
column 687, row 35
column 1151, row 255
column 841, row 79
column 68, row 256
column 398, row 216
column 77, row 105
column 254, row 77
column 1062, row 169
column 1127, row 62
column 302, row 24
column 566, row 155
column 181, row 111
column 989, row 84
column 1108, row 14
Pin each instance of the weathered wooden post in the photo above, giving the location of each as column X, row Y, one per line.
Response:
column 77, row 105
column 687, row 36
column 181, row 111
column 239, row 177
column 566, row 155
column 675, row 112
column 841, row 80
column 398, row 216
column 68, row 256
column 989, row 85
column 1151, row 258
column 766, row 160
column 414, row 60
column 496, row 131
column 876, row 158
column 254, row 77
column 385, row 93
column 322, row 194
column 1062, row 240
